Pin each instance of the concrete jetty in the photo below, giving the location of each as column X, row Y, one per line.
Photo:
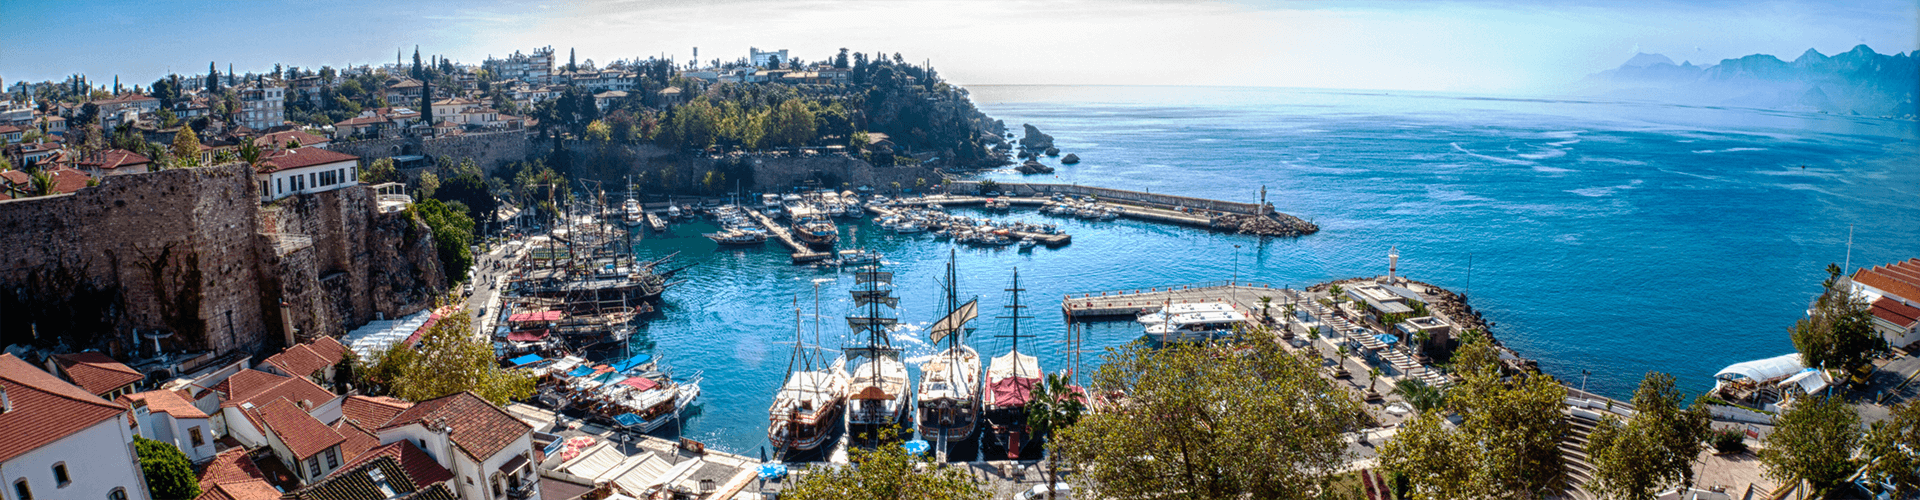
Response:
column 801, row 253
column 656, row 223
column 1252, row 218
column 1050, row 240
column 1130, row 302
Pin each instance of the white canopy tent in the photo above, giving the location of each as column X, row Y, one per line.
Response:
column 1762, row 370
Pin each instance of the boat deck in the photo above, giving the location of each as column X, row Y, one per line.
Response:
column 801, row 253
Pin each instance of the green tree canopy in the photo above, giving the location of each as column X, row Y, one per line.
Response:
column 1838, row 332
column 1507, row 444
column 1655, row 449
column 1814, row 440
column 447, row 360
column 379, row 172
column 1892, row 450
column 885, row 472
column 169, row 474
column 1206, row 421
column 452, row 235
column 186, row 148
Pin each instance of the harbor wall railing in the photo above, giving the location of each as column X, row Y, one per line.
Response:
column 1151, row 199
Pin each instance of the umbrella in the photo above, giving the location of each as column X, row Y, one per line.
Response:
column 1387, row 338
column 916, row 446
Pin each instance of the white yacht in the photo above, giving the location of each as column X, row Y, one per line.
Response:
column 1196, row 326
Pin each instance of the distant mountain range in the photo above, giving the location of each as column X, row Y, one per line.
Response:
column 1857, row 81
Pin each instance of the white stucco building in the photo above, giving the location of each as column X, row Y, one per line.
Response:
column 167, row 417
column 489, row 452
column 305, row 170
column 60, row 441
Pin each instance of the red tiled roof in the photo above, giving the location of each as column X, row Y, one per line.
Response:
column 328, row 349
column 96, row 372
column 16, row 177
column 281, row 139
column 298, row 361
column 259, row 388
column 164, row 401
column 1888, row 278
column 230, row 466
column 420, row 466
column 114, row 158
column 125, row 99
column 1895, row 312
column 9, row 129
column 359, row 440
column 361, row 120
column 251, row 489
column 67, row 180
column 372, row 411
column 45, row 408
column 303, row 435
column 480, row 429
column 303, row 157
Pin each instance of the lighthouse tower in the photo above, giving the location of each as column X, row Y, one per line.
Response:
column 1393, row 262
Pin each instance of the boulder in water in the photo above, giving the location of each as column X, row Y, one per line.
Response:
column 1035, row 140
column 1053, row 151
column 1069, row 159
column 1034, row 167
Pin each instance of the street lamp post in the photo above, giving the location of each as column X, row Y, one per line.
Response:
column 1583, row 381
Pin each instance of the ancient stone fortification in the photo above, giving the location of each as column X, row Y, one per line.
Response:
column 337, row 262
column 191, row 251
column 489, row 150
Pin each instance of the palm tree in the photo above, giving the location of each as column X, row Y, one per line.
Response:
column 42, row 182
column 1054, row 406
column 250, row 153
column 1418, row 394
column 1373, row 376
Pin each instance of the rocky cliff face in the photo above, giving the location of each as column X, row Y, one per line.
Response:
column 337, row 262
column 193, row 252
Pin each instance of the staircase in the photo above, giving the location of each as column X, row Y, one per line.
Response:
column 1573, row 451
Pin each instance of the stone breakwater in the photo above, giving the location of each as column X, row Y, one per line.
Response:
column 1446, row 303
column 1276, row 224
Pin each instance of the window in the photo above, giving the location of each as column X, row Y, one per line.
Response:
column 313, row 467
column 333, row 457
column 194, row 432
column 263, row 189
column 496, row 484
column 313, row 179
column 21, row 491
column 60, row 475
column 281, row 183
column 117, row 494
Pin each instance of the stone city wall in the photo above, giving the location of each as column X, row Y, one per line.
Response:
column 177, row 246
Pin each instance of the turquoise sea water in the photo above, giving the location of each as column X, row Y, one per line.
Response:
column 1609, row 237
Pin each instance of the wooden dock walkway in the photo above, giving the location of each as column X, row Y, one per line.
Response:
column 656, row 223
column 1245, row 296
column 801, row 253
column 1050, row 240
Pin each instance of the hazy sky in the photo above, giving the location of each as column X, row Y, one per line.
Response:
column 1465, row 46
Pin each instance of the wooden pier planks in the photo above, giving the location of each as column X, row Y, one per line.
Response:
column 801, row 253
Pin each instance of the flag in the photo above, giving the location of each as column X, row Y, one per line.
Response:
column 955, row 320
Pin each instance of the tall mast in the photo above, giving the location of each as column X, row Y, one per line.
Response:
column 953, row 297
column 1016, row 317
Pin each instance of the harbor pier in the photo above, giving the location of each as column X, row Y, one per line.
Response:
column 801, row 253
column 1252, row 218
column 1244, row 295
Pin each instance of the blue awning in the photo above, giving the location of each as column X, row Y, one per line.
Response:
column 773, row 471
column 1387, row 338
column 631, row 362
column 581, row 371
column 525, row 360
column 916, row 446
column 629, row 419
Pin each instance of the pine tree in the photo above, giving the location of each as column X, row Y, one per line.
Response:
column 570, row 66
column 417, row 75
column 213, row 78
column 426, row 105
